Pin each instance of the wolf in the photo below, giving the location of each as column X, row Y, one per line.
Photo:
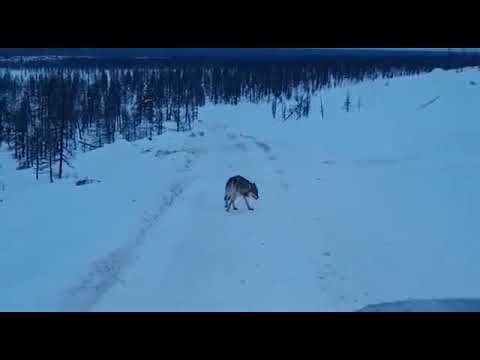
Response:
column 236, row 186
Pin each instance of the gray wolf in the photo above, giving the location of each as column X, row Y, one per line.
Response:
column 239, row 186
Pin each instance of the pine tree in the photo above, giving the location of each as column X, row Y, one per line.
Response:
column 148, row 107
column 348, row 103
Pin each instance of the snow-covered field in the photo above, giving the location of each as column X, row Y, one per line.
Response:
column 372, row 206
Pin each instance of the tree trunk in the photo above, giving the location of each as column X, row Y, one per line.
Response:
column 50, row 162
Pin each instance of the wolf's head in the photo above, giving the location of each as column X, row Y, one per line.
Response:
column 253, row 191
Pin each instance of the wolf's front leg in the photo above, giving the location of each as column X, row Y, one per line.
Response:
column 248, row 205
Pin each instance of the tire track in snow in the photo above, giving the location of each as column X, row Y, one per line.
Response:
column 265, row 148
column 105, row 272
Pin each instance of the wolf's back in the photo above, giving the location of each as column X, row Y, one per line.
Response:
column 236, row 184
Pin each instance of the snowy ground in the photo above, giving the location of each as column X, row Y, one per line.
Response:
column 373, row 206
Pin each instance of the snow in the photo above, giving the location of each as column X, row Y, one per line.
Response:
column 373, row 206
column 429, row 305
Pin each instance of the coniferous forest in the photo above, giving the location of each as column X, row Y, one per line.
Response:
column 49, row 111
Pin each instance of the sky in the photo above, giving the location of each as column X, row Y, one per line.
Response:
column 422, row 49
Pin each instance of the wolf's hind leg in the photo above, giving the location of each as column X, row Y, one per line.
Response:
column 231, row 202
column 234, row 197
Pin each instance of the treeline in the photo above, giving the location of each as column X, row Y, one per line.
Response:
column 48, row 113
column 46, row 117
